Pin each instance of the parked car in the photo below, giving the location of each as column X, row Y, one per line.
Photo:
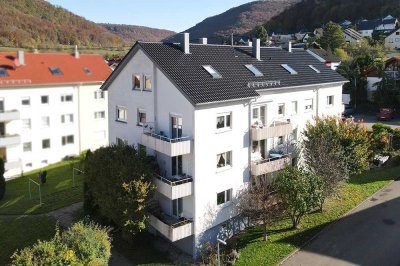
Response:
column 385, row 114
column 348, row 110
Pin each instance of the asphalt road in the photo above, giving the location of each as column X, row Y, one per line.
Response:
column 369, row 235
column 369, row 120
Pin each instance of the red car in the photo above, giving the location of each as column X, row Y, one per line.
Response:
column 385, row 114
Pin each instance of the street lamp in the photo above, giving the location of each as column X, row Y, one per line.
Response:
column 223, row 243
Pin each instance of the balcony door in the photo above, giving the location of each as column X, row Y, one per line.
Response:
column 177, row 207
column 176, row 127
column 259, row 115
column 176, row 165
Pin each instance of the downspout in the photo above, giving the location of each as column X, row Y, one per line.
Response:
column 79, row 119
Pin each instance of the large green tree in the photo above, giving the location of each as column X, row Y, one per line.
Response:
column 119, row 181
column 262, row 34
column 333, row 37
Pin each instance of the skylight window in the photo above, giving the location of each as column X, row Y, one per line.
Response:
column 88, row 71
column 55, row 71
column 254, row 70
column 3, row 72
column 212, row 72
column 314, row 68
column 289, row 69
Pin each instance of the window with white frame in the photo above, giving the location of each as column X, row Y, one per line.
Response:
column 329, row 100
column 67, row 119
column 224, row 121
column 122, row 114
column 141, row 117
column 45, row 121
column 258, row 115
column 147, row 83
column 136, row 84
column 308, row 106
column 99, row 94
column 294, row 107
column 44, row 99
column 26, row 123
column 26, row 101
column 27, row 146
column 224, row 159
column 281, row 109
column 224, row 196
column 100, row 115
column 67, row 98
column 65, row 140
column 46, row 144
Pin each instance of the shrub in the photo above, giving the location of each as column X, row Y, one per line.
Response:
column 2, row 180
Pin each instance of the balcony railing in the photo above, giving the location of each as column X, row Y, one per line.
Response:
column 393, row 74
column 270, row 165
column 9, row 140
column 174, row 188
column 172, row 228
column 6, row 116
column 276, row 129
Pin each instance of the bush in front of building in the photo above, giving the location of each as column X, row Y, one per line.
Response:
column 2, row 180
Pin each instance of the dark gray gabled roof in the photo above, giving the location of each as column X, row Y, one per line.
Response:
column 187, row 73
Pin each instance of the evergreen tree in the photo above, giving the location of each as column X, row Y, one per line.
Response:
column 333, row 37
column 262, row 34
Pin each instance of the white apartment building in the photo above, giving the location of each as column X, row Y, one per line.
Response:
column 392, row 41
column 214, row 116
column 51, row 106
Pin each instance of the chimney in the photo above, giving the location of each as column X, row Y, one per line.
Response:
column 76, row 54
column 35, row 51
column 203, row 40
column 256, row 49
column 185, row 43
column 249, row 43
column 290, row 47
column 21, row 58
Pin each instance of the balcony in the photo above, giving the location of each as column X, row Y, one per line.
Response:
column 275, row 163
column 9, row 140
column 172, row 228
column 276, row 129
column 7, row 116
column 173, row 188
column 159, row 142
column 9, row 165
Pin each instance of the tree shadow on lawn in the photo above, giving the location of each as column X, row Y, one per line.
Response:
column 374, row 175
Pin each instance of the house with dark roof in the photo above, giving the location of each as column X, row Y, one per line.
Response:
column 352, row 36
column 329, row 59
column 51, row 106
column 367, row 27
column 215, row 117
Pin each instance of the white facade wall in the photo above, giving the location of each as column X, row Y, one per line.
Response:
column 393, row 40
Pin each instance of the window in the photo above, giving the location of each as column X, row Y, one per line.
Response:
column 122, row 114
column 26, row 101
column 147, row 83
column 99, row 135
column 3, row 72
column 27, row 146
column 46, row 144
column 44, row 161
column 99, row 94
column 28, row 165
column 308, row 105
column 258, row 115
column 66, row 98
column 289, row 69
column 254, row 147
column 67, row 119
column 45, row 121
column 294, row 108
column 122, row 141
column 87, row 71
column 281, row 109
column 224, row 159
column 212, row 72
column 255, row 113
column 67, row 140
column 55, row 71
column 224, row 121
column 45, row 99
column 254, row 70
column 141, row 119
column 136, row 82
column 224, row 196
column 314, row 68
column 280, row 140
column 177, row 207
column 329, row 100
column 100, row 115
column 26, row 123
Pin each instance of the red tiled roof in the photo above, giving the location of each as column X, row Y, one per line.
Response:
column 36, row 69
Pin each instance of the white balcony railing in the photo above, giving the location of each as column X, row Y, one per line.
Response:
column 276, row 129
column 9, row 140
column 174, row 188
column 172, row 228
column 9, row 115
column 270, row 165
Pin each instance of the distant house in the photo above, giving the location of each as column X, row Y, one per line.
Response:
column 367, row 27
column 393, row 40
column 325, row 57
column 345, row 24
column 318, row 32
column 281, row 38
column 352, row 36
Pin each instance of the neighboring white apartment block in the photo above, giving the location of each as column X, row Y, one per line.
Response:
column 393, row 40
column 51, row 106
column 214, row 117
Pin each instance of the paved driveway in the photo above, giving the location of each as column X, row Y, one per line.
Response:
column 369, row 235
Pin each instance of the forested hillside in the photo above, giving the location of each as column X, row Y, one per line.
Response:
column 131, row 33
column 309, row 14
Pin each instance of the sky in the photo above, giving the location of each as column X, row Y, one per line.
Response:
column 176, row 15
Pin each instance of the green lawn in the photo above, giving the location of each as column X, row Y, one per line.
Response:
column 57, row 192
column 17, row 233
column 283, row 240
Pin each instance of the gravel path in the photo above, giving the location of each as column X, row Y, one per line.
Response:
column 65, row 216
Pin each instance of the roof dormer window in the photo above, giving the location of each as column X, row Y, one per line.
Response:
column 212, row 72
column 289, row 69
column 3, row 72
column 87, row 71
column 254, row 70
column 55, row 71
column 314, row 68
